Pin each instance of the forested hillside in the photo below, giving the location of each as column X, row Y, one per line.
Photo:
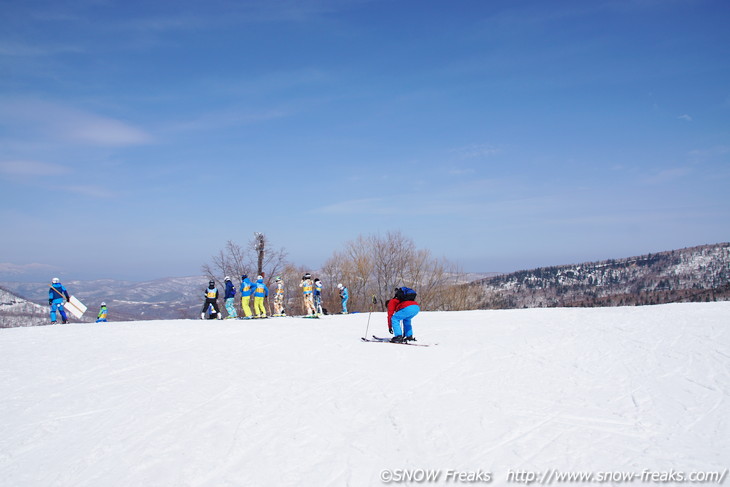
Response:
column 16, row 311
column 686, row 275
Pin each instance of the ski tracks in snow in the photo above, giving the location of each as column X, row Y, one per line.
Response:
column 304, row 402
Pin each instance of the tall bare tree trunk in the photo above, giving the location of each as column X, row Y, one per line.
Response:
column 260, row 248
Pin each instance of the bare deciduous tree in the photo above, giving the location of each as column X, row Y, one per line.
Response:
column 234, row 261
column 375, row 265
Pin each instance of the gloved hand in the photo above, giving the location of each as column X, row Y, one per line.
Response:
column 390, row 329
column 50, row 301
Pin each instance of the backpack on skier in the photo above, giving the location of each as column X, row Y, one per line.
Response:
column 405, row 294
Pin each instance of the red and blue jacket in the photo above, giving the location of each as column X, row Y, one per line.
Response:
column 395, row 305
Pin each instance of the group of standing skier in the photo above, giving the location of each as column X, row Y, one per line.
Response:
column 258, row 290
column 401, row 308
column 311, row 296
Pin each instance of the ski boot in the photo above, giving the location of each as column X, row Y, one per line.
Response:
column 397, row 339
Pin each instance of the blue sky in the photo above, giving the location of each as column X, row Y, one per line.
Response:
column 136, row 138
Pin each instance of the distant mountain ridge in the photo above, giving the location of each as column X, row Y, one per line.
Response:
column 16, row 311
column 167, row 298
column 692, row 274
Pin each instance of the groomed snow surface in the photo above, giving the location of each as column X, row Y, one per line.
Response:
column 298, row 402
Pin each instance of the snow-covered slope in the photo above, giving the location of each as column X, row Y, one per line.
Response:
column 291, row 402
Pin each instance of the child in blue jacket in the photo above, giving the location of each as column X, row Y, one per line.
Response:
column 101, row 317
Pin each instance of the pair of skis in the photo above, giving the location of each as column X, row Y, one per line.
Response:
column 377, row 339
column 387, row 340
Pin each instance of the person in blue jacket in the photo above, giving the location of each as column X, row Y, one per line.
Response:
column 260, row 292
column 228, row 297
column 318, row 296
column 246, row 290
column 56, row 295
column 345, row 296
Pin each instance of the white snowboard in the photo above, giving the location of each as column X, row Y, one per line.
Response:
column 75, row 307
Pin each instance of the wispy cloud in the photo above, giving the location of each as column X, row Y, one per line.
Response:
column 224, row 119
column 703, row 155
column 9, row 268
column 16, row 49
column 685, row 117
column 461, row 172
column 476, row 151
column 97, row 130
column 668, row 175
column 215, row 15
column 31, row 168
column 371, row 206
column 272, row 82
column 471, row 197
column 34, row 118
column 91, row 191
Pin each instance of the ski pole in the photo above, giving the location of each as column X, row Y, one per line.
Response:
column 374, row 302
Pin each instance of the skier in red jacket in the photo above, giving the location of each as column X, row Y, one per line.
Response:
column 402, row 308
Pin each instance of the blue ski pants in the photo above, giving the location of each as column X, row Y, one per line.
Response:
column 57, row 305
column 344, row 305
column 405, row 315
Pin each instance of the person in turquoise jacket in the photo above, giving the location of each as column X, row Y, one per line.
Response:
column 246, row 291
column 56, row 295
column 344, row 295
column 260, row 292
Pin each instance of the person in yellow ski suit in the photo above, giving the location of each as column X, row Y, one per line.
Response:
column 260, row 292
column 246, row 290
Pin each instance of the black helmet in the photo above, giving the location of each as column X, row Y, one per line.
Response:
column 211, row 284
column 244, row 276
